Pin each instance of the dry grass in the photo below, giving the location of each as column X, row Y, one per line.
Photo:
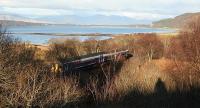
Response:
column 142, row 76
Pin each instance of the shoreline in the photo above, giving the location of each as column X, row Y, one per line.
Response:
column 115, row 36
column 63, row 34
column 92, row 34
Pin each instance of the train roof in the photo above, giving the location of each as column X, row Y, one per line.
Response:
column 82, row 57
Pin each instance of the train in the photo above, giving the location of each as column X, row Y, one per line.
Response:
column 90, row 61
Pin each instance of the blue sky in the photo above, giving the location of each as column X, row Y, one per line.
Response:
column 135, row 9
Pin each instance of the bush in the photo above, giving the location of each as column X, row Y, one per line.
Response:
column 91, row 46
column 149, row 46
column 185, row 51
column 190, row 40
column 26, row 81
column 60, row 51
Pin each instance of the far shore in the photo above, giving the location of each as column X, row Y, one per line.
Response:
column 63, row 34
column 161, row 35
column 92, row 34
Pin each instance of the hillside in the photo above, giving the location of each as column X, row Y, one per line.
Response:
column 176, row 22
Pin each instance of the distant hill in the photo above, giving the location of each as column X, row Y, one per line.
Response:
column 94, row 20
column 17, row 20
column 19, row 23
column 177, row 22
column 14, row 20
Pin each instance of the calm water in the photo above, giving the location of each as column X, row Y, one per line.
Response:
column 43, row 39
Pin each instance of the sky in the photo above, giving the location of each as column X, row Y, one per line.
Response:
column 133, row 9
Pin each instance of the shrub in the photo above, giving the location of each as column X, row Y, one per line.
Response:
column 185, row 50
column 91, row 46
column 190, row 40
column 150, row 46
column 60, row 51
column 26, row 81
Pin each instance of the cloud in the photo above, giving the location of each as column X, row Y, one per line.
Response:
column 135, row 15
column 36, row 11
column 137, row 9
column 101, row 4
